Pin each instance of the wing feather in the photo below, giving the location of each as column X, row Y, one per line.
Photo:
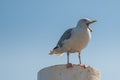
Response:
column 66, row 35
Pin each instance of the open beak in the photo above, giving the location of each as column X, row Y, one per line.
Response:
column 91, row 22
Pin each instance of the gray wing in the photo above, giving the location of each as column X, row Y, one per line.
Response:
column 66, row 35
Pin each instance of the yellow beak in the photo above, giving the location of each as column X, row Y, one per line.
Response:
column 91, row 23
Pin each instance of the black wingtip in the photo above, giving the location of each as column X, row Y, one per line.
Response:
column 55, row 47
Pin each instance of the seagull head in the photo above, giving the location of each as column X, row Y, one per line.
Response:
column 86, row 22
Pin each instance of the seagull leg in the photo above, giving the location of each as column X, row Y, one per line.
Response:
column 67, row 57
column 82, row 65
column 68, row 64
column 79, row 57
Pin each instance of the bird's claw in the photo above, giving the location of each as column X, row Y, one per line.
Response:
column 83, row 65
column 69, row 65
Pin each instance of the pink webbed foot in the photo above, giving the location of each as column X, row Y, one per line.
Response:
column 83, row 65
column 69, row 65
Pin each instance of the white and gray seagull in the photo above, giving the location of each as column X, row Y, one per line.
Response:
column 74, row 40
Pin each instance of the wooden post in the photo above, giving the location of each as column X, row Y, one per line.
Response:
column 60, row 72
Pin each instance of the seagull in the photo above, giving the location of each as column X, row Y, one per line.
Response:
column 74, row 40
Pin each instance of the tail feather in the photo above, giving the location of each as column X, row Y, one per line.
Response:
column 56, row 51
column 51, row 53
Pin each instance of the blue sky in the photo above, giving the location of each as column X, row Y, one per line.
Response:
column 29, row 29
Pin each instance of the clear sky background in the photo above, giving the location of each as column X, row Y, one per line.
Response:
column 29, row 29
